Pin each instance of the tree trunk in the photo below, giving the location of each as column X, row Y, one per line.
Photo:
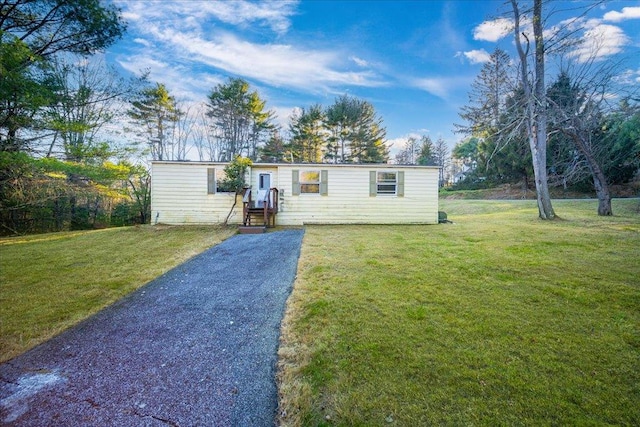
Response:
column 599, row 179
column 545, row 209
column 540, row 118
column 235, row 202
column 535, row 107
column 604, row 196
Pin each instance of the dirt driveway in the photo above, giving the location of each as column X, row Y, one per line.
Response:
column 197, row 346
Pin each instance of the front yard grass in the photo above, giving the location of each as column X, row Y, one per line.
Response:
column 497, row 319
column 52, row 281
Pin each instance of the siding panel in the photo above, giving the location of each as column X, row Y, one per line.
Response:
column 179, row 195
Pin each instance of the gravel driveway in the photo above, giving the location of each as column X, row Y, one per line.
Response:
column 195, row 347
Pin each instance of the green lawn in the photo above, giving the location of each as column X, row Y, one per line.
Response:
column 52, row 281
column 497, row 319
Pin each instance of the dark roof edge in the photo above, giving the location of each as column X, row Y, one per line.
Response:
column 301, row 165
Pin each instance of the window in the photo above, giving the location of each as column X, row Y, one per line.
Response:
column 389, row 183
column 310, row 182
column 215, row 177
column 386, row 183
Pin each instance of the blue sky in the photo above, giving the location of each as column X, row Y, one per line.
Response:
column 414, row 61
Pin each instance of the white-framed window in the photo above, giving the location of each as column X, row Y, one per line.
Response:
column 310, row 182
column 386, row 182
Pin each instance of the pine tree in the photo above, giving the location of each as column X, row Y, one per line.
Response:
column 308, row 135
column 239, row 119
column 155, row 111
column 356, row 134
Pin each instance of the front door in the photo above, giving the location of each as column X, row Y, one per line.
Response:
column 264, row 181
column 264, row 185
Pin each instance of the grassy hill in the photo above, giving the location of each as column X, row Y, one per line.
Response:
column 497, row 319
column 517, row 191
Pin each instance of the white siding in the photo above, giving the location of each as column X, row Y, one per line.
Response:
column 179, row 195
column 348, row 200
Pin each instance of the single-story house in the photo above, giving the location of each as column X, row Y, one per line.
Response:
column 186, row 192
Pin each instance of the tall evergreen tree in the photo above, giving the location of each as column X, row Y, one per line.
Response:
column 565, row 163
column 368, row 138
column 23, row 93
column 308, row 135
column 156, row 113
column 275, row 150
column 427, row 155
column 487, row 98
column 620, row 139
column 48, row 27
column 356, row 134
column 239, row 119
column 340, row 120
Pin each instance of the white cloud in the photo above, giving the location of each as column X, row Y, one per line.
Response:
column 629, row 78
column 396, row 145
column 586, row 39
column 137, row 63
column 359, row 61
column 182, row 85
column 599, row 41
column 130, row 16
column 435, row 86
column 494, row 30
column 274, row 64
column 143, row 42
column 273, row 14
column 283, row 115
column 184, row 32
column 476, row 56
column 445, row 88
column 627, row 13
column 400, row 143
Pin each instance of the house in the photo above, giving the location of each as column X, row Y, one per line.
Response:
column 185, row 192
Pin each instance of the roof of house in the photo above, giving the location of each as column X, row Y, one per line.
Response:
column 305, row 165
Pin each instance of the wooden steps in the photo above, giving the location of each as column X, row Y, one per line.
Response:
column 263, row 210
column 252, row 229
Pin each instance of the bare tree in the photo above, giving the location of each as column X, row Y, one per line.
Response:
column 410, row 153
column 535, row 118
column 184, row 131
column 578, row 100
column 441, row 154
column 86, row 101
